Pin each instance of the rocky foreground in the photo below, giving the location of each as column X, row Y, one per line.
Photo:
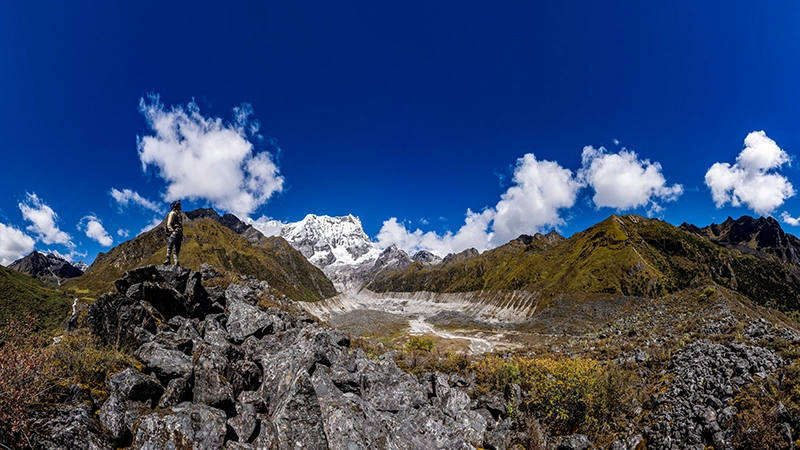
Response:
column 219, row 371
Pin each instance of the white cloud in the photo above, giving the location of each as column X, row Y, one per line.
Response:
column 43, row 222
column 71, row 256
column 473, row 234
column 123, row 233
column 789, row 220
column 622, row 181
column 204, row 158
column 152, row 224
column 94, row 229
column 127, row 196
column 268, row 227
column 751, row 181
column 14, row 244
column 541, row 189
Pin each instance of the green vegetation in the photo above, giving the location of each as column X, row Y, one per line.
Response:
column 207, row 241
column 22, row 295
column 420, row 343
column 567, row 395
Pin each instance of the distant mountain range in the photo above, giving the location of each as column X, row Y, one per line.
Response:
column 623, row 255
column 40, row 265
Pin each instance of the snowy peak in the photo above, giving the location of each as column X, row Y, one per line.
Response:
column 327, row 240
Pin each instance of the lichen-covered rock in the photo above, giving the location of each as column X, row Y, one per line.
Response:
column 245, row 422
column 388, row 388
column 211, row 375
column 113, row 318
column 165, row 298
column 165, row 363
column 68, row 427
column 131, row 394
column 175, row 276
column 177, row 391
column 245, row 319
column 199, row 427
column 694, row 409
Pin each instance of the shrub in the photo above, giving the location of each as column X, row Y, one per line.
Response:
column 24, row 376
column 420, row 343
column 567, row 395
column 79, row 358
column 756, row 426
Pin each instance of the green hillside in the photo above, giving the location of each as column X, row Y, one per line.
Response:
column 22, row 295
column 207, row 241
column 628, row 255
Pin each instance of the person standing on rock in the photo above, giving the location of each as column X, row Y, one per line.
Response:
column 175, row 231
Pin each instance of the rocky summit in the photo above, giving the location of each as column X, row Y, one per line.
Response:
column 221, row 371
column 48, row 266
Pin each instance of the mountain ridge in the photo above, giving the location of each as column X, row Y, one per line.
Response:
column 210, row 238
column 40, row 264
column 622, row 255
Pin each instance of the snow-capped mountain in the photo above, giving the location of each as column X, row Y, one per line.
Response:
column 324, row 240
column 337, row 245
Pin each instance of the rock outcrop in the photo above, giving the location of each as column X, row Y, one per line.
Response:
column 695, row 409
column 230, row 373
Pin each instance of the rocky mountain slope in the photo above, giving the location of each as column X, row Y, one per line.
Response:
column 628, row 255
column 231, row 246
column 49, row 266
column 762, row 237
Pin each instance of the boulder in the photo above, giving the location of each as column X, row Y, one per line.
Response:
column 166, row 299
column 114, row 318
column 245, row 319
column 211, row 375
column 200, row 427
column 165, row 363
column 69, row 426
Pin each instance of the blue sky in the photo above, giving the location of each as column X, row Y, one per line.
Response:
column 442, row 125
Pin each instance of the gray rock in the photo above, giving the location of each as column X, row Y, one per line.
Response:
column 241, row 293
column 208, row 271
column 177, row 391
column 245, row 319
column 130, row 384
column 388, row 388
column 114, row 319
column 200, row 427
column 573, row 442
column 165, row 363
column 138, row 275
column 131, row 394
column 211, row 375
column 245, row 422
column 67, row 427
column 175, row 276
column 165, row 298
column 246, row 376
